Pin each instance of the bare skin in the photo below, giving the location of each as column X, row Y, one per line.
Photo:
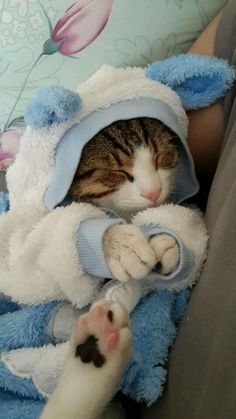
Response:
column 206, row 126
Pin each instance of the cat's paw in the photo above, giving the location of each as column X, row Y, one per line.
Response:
column 127, row 252
column 102, row 334
column 167, row 253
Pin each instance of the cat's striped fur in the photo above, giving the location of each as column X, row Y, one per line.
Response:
column 108, row 159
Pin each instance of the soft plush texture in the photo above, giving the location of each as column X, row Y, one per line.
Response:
column 141, row 380
column 154, row 328
column 35, row 261
column 31, row 374
column 48, row 156
column 198, row 82
column 52, row 106
column 15, row 407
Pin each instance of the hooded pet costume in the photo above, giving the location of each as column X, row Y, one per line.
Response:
column 50, row 252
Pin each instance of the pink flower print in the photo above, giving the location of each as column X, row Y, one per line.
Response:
column 79, row 27
column 81, row 24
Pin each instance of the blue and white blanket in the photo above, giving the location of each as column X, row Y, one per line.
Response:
column 23, row 328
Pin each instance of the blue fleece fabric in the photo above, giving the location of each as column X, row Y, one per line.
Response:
column 52, row 105
column 198, row 80
column 7, row 306
column 154, row 331
column 154, row 323
column 27, row 324
column 15, row 407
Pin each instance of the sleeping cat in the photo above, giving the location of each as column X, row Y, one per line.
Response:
column 127, row 167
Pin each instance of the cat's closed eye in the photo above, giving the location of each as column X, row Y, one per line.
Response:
column 128, row 165
column 127, row 175
column 166, row 160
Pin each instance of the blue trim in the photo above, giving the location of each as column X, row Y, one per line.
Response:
column 88, row 239
column 69, row 149
column 90, row 251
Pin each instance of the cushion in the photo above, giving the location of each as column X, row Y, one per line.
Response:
column 89, row 34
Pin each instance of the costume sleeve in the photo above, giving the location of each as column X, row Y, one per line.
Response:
column 187, row 227
column 39, row 259
column 89, row 245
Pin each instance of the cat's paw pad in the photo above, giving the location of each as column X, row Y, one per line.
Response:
column 127, row 252
column 102, row 333
column 167, row 253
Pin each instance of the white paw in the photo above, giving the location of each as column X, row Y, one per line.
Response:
column 167, row 253
column 102, row 333
column 127, row 252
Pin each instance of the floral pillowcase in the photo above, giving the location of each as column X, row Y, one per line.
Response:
column 61, row 42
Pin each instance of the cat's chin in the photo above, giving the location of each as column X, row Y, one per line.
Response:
column 128, row 214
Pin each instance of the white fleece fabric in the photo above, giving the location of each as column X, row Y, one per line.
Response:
column 29, row 177
column 39, row 260
column 51, row 265
column 37, row 364
column 111, row 85
column 38, row 255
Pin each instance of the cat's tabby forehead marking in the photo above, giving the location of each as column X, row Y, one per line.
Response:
column 111, row 160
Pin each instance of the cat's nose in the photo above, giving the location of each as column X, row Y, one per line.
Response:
column 152, row 195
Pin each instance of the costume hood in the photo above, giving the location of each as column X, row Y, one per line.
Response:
column 60, row 122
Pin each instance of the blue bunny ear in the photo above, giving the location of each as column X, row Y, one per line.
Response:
column 198, row 80
column 51, row 105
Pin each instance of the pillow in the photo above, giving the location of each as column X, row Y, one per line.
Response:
column 89, row 34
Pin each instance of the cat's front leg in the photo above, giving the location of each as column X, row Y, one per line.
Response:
column 100, row 348
column 167, row 254
column 128, row 293
column 128, row 254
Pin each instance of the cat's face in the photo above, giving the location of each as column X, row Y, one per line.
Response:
column 127, row 167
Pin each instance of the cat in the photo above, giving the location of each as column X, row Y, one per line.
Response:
column 127, row 167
